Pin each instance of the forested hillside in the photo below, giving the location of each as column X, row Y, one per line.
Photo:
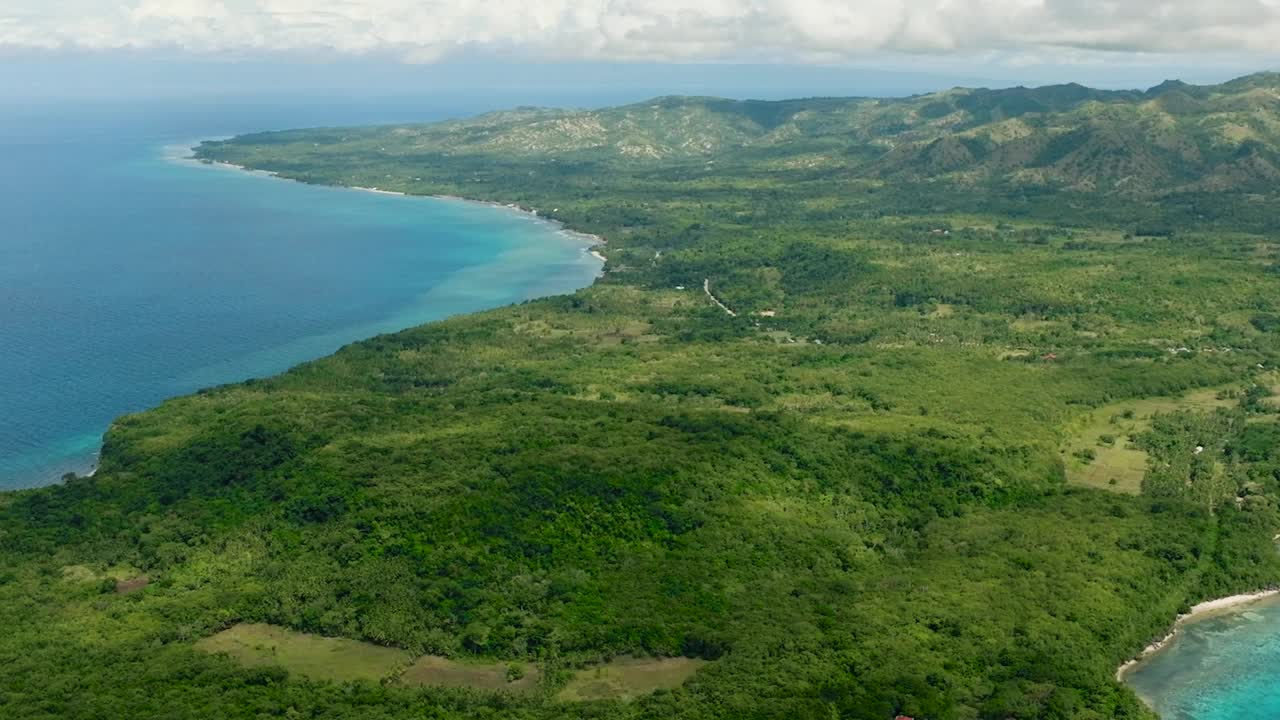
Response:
column 941, row 406
column 1172, row 139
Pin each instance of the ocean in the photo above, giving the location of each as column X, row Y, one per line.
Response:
column 1219, row 668
column 129, row 275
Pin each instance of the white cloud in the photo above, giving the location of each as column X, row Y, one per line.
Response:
column 427, row 30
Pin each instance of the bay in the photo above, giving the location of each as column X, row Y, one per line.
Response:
column 129, row 275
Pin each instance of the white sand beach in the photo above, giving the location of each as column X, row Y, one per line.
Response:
column 1206, row 609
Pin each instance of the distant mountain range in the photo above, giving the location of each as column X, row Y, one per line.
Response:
column 1174, row 137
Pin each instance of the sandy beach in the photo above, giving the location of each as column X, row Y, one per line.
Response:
column 376, row 190
column 1206, row 609
column 232, row 166
column 588, row 238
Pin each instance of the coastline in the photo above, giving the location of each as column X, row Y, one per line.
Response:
column 376, row 190
column 1201, row 611
column 593, row 242
column 183, row 153
column 591, row 239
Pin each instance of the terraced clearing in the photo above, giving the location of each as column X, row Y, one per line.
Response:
column 1118, row 465
column 628, row 677
column 313, row 656
column 1274, row 400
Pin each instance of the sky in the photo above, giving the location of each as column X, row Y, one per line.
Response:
column 760, row 47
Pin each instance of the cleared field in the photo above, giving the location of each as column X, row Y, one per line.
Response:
column 628, row 677
column 339, row 659
column 128, row 579
column 443, row 672
column 79, row 574
column 133, row 584
column 313, row 656
column 1118, row 465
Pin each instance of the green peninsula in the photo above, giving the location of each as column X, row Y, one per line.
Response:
column 942, row 406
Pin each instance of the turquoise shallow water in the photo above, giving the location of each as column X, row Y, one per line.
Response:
column 128, row 275
column 1221, row 668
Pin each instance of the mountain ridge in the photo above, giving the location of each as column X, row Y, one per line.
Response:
column 1120, row 139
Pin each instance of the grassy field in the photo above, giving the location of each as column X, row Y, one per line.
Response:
column 122, row 578
column 1117, row 464
column 339, row 659
column 629, row 677
column 312, row 656
column 436, row 671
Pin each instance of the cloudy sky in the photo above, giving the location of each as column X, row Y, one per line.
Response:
column 796, row 30
column 1104, row 41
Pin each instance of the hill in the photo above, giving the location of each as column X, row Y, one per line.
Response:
column 1174, row 138
column 897, row 478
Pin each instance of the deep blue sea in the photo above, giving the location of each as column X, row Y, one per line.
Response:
column 1222, row 668
column 129, row 275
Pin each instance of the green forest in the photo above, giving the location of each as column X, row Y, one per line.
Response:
column 941, row 406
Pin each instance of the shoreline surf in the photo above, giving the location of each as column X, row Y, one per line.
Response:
column 1201, row 611
column 593, row 241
